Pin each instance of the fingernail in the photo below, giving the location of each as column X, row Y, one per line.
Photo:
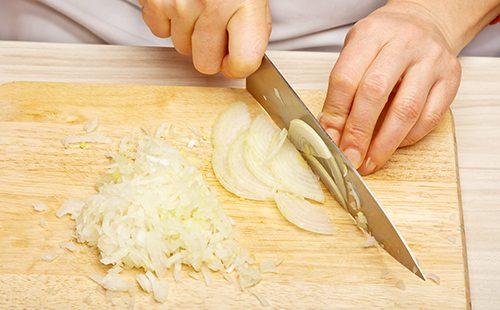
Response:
column 354, row 156
column 334, row 134
column 370, row 165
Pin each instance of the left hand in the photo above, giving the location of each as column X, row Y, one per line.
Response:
column 395, row 78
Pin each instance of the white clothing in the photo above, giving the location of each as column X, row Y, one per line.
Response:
column 317, row 25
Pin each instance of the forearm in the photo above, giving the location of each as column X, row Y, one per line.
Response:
column 459, row 20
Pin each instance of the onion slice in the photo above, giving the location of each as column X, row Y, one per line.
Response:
column 244, row 178
column 307, row 139
column 304, row 214
column 230, row 124
column 326, row 178
column 295, row 175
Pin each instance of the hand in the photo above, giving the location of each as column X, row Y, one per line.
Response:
column 395, row 78
column 221, row 35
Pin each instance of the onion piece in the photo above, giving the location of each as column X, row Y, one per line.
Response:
column 248, row 277
column 326, row 178
column 144, row 282
column 434, row 278
column 91, row 125
column 159, row 287
column 338, row 177
column 70, row 246
column 239, row 171
column 72, row 207
column 230, row 124
column 112, row 282
column 258, row 148
column 48, row 257
column 307, row 139
column 40, row 206
column 370, row 242
column 304, row 214
column 295, row 175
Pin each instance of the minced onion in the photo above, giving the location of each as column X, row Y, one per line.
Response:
column 155, row 211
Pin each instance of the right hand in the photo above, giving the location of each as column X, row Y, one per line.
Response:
column 230, row 36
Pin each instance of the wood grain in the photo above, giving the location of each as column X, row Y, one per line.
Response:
column 418, row 188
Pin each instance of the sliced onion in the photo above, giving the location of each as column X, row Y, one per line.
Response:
column 230, row 183
column 159, row 287
column 295, row 175
column 307, row 139
column 258, row 148
column 304, row 214
column 242, row 175
column 326, row 178
column 338, row 177
column 230, row 124
column 144, row 283
column 72, row 207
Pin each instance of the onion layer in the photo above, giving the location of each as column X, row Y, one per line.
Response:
column 304, row 214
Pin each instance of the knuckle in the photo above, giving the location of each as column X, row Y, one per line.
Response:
column 407, row 110
column 357, row 133
column 342, row 81
column 433, row 119
column 456, row 67
column 409, row 140
column 375, row 85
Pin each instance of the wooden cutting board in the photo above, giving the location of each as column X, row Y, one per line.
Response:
column 418, row 189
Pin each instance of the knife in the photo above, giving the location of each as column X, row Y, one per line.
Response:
column 283, row 105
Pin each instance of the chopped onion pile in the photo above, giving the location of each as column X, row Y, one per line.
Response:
column 253, row 159
column 155, row 211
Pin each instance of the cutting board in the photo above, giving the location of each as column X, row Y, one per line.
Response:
column 418, row 188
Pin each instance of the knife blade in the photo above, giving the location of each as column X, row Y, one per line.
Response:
column 283, row 105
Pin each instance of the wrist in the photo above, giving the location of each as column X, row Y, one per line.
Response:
column 458, row 21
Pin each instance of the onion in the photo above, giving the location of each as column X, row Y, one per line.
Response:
column 325, row 177
column 112, row 282
column 248, row 277
column 91, row 125
column 401, row 285
column 48, row 257
column 361, row 220
column 338, row 177
column 230, row 124
column 72, row 207
column 295, row 175
column 70, row 246
column 258, row 148
column 433, row 277
column 144, row 282
column 370, row 242
column 304, row 214
column 159, row 287
column 40, row 206
column 269, row 266
column 242, row 175
column 307, row 139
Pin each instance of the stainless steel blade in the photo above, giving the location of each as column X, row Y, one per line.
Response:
column 283, row 105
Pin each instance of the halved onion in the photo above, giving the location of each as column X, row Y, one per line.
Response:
column 326, row 178
column 307, row 139
column 303, row 214
column 295, row 175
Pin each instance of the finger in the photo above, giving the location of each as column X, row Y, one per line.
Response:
column 249, row 31
column 154, row 17
column 370, row 99
column 209, row 39
column 438, row 102
column 402, row 114
column 344, row 80
column 182, row 25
